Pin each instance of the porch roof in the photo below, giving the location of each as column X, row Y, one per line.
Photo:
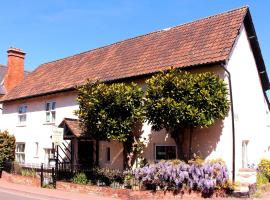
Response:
column 71, row 128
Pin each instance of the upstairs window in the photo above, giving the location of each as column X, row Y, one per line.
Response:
column 50, row 112
column 22, row 110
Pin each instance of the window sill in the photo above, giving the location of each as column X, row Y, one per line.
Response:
column 21, row 126
column 49, row 123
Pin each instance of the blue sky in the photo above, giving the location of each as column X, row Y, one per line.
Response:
column 53, row 29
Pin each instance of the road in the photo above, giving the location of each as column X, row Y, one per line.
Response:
column 17, row 195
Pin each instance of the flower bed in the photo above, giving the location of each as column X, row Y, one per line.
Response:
column 179, row 176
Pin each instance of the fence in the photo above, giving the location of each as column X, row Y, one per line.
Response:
column 45, row 173
column 68, row 172
column 96, row 176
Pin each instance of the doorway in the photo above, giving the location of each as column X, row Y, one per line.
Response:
column 85, row 152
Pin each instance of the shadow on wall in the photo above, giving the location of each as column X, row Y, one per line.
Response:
column 205, row 140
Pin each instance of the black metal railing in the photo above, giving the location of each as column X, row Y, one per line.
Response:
column 44, row 172
column 95, row 176
column 82, row 174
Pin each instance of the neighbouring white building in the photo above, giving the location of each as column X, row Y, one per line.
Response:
column 225, row 44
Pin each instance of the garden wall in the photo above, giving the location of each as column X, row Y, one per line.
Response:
column 124, row 194
column 25, row 180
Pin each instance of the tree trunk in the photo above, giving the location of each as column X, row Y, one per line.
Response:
column 97, row 153
column 178, row 136
column 190, row 143
column 125, row 158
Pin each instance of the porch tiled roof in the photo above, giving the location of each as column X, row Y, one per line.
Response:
column 201, row 42
column 73, row 125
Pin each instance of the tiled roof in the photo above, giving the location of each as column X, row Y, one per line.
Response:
column 73, row 125
column 204, row 41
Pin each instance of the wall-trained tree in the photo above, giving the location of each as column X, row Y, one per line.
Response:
column 179, row 101
column 110, row 112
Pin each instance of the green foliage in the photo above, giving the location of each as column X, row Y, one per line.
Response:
column 7, row 148
column 28, row 172
column 181, row 99
column 108, row 176
column 261, row 179
column 264, row 167
column 80, row 178
column 109, row 111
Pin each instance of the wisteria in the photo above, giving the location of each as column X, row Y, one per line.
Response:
column 177, row 174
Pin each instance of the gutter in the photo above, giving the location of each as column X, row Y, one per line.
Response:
column 233, row 125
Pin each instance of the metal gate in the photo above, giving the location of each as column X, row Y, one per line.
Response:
column 47, row 176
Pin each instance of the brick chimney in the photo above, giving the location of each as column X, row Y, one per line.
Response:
column 15, row 72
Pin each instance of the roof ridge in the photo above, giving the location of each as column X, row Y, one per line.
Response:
column 150, row 33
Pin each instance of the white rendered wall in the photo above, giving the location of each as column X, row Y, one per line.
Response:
column 36, row 129
column 250, row 107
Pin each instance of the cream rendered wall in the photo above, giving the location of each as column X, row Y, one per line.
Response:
column 35, row 129
column 250, row 106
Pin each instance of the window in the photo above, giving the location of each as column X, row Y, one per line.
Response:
column 50, row 112
column 268, row 118
column 36, row 149
column 22, row 115
column 165, row 152
column 48, row 155
column 20, row 152
column 244, row 153
column 108, row 154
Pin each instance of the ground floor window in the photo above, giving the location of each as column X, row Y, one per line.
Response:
column 20, row 153
column 108, row 154
column 245, row 153
column 48, row 155
column 165, row 152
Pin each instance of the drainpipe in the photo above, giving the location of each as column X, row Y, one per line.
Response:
column 233, row 126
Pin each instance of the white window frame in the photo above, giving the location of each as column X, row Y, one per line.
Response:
column 50, row 112
column 36, row 150
column 164, row 145
column 20, row 152
column 22, row 114
column 47, row 156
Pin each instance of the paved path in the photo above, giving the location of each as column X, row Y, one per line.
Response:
column 11, row 191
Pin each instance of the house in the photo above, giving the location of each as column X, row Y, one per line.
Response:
column 225, row 44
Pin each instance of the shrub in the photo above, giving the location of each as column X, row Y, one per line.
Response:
column 28, row 172
column 80, row 178
column 261, row 179
column 173, row 175
column 108, row 176
column 264, row 167
column 7, row 148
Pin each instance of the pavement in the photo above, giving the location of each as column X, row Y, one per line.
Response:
column 12, row 191
column 16, row 191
